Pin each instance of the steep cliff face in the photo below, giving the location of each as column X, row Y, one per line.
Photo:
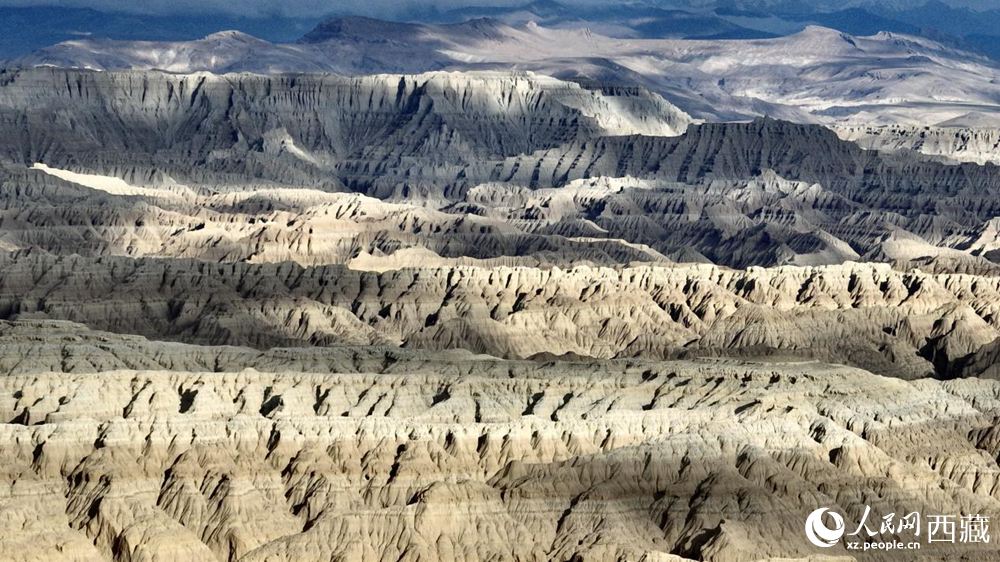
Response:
column 450, row 126
column 51, row 114
column 764, row 220
column 241, row 167
column 432, row 136
column 739, row 150
column 438, row 132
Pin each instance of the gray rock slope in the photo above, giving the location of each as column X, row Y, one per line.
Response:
column 978, row 141
column 906, row 325
column 517, row 169
column 449, row 114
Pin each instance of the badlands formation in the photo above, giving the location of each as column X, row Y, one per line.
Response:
column 955, row 143
column 472, row 458
column 488, row 315
column 513, row 169
column 906, row 325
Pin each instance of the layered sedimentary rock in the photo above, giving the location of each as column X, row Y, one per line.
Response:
column 99, row 215
column 443, row 117
column 437, row 317
column 500, row 172
column 434, row 135
column 489, row 460
column 495, row 178
column 958, row 144
column 907, row 325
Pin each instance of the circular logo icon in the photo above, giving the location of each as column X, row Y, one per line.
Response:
column 818, row 533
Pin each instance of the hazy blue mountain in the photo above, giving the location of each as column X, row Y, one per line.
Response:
column 636, row 20
column 957, row 26
column 751, row 19
column 960, row 22
column 30, row 29
column 857, row 21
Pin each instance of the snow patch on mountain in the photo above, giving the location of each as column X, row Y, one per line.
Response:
column 818, row 75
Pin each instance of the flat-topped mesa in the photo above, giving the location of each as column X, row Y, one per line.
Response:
column 438, row 132
column 765, row 192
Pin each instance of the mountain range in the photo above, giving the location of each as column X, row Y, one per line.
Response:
column 30, row 28
column 816, row 75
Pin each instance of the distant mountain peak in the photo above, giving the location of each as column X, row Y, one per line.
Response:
column 552, row 4
column 544, row 7
column 355, row 27
column 364, row 29
column 230, row 34
column 819, row 35
column 820, row 31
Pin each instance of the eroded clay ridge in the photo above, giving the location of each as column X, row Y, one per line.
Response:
column 904, row 324
column 715, row 461
column 511, row 168
column 309, row 123
column 437, row 134
column 967, row 142
column 763, row 220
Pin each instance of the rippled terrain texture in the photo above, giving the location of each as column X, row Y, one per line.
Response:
column 340, row 307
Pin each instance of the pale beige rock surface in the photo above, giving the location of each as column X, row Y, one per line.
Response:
column 711, row 460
